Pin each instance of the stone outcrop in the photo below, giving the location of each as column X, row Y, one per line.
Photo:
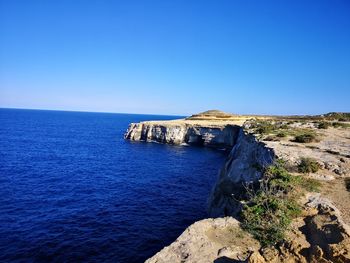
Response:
column 244, row 165
column 319, row 236
column 207, row 241
column 221, row 135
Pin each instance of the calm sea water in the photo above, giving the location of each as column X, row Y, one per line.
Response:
column 73, row 190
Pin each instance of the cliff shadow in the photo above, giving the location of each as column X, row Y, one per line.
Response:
column 227, row 260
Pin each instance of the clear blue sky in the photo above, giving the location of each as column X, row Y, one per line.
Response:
column 176, row 57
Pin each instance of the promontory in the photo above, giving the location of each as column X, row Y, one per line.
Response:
column 283, row 194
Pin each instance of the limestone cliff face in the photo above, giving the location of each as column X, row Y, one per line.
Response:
column 243, row 165
column 221, row 136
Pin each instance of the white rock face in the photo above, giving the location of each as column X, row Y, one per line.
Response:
column 244, row 165
column 206, row 241
column 134, row 132
column 222, row 136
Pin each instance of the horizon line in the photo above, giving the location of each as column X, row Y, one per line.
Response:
column 157, row 114
column 88, row 111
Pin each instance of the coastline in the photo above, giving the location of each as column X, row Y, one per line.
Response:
column 250, row 153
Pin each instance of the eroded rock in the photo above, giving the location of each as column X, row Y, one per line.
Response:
column 220, row 135
column 208, row 241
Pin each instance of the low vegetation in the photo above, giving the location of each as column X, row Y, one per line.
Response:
column 273, row 203
column 267, row 126
column 340, row 125
column 340, row 116
column 308, row 165
column 281, row 134
column 323, row 125
column 264, row 127
column 306, row 137
column 271, row 130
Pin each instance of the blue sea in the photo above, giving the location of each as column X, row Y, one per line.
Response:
column 73, row 190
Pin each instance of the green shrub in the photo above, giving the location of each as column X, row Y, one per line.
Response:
column 272, row 204
column 267, row 217
column 323, row 125
column 267, row 127
column 308, row 165
column 278, row 177
column 264, row 127
column 281, row 134
column 271, row 207
column 306, row 137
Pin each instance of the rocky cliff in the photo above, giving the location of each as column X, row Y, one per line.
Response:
column 244, row 165
column 319, row 234
column 220, row 135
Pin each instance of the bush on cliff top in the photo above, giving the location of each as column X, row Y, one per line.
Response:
column 306, row 137
column 271, row 206
column 281, row 134
column 323, row 125
column 264, row 127
column 308, row 165
column 267, row 127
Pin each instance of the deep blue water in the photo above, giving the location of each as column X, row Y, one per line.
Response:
column 73, row 190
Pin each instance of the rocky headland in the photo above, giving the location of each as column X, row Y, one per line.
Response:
column 211, row 131
column 282, row 196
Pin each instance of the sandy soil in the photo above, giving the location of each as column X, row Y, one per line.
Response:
column 336, row 191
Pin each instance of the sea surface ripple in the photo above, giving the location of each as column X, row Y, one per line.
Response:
column 73, row 190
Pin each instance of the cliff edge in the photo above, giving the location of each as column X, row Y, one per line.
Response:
column 308, row 194
column 211, row 129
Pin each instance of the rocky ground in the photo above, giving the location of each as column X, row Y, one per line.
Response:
column 332, row 152
column 319, row 235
